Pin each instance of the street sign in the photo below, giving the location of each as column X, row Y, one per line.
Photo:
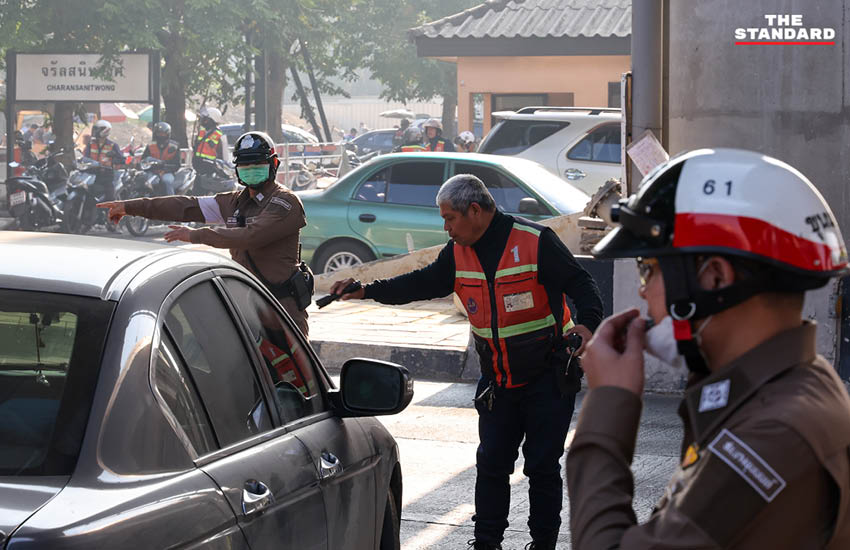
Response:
column 79, row 77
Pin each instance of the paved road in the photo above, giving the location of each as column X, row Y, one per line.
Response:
column 437, row 437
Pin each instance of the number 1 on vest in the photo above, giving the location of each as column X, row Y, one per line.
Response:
column 515, row 250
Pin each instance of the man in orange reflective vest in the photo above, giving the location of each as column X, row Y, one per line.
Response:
column 512, row 276
column 209, row 143
column 107, row 153
column 434, row 136
column 162, row 147
column 412, row 141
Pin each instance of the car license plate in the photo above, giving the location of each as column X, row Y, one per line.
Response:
column 18, row 197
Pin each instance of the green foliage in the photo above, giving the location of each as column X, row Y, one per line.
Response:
column 204, row 40
column 379, row 38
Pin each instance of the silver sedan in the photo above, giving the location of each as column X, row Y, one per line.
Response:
column 152, row 397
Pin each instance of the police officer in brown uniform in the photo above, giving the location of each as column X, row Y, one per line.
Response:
column 724, row 265
column 261, row 223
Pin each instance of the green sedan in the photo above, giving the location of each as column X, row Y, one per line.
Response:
column 387, row 206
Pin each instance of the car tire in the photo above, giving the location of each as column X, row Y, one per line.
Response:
column 391, row 530
column 341, row 255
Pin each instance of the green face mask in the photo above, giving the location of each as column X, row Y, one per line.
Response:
column 253, row 176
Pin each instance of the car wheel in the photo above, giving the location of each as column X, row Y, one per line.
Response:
column 342, row 255
column 391, row 531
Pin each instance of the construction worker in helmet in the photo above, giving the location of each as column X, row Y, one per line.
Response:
column 162, row 147
column 727, row 243
column 210, row 143
column 465, row 142
column 107, row 153
column 260, row 224
column 434, row 141
column 412, row 141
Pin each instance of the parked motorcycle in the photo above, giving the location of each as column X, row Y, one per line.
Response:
column 146, row 182
column 35, row 198
column 214, row 177
column 80, row 212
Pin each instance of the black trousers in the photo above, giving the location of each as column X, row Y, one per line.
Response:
column 540, row 414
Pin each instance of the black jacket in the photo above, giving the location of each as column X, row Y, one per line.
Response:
column 558, row 270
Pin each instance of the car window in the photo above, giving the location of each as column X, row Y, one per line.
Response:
column 415, row 183
column 173, row 384
column 50, row 355
column 601, row 145
column 374, row 189
column 384, row 139
column 210, row 346
column 288, row 362
column 510, row 137
column 505, row 191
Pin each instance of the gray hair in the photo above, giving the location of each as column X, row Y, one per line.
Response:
column 462, row 190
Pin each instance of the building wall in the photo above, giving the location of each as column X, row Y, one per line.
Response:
column 788, row 101
column 586, row 78
column 792, row 102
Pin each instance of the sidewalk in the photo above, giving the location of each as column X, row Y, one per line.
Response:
column 429, row 338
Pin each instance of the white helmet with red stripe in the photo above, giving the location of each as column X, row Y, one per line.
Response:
column 730, row 201
column 762, row 214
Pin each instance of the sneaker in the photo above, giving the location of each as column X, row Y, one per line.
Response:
column 473, row 544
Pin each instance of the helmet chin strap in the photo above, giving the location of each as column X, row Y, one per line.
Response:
column 687, row 302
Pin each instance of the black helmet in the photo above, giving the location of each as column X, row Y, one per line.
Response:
column 413, row 136
column 161, row 133
column 253, row 148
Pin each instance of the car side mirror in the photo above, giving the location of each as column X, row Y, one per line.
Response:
column 529, row 205
column 370, row 388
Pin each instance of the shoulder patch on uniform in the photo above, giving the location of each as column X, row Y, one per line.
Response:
column 281, row 202
column 748, row 464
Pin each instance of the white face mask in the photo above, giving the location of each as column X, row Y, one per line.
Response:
column 661, row 342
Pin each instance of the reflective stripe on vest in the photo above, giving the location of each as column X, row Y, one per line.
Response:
column 440, row 146
column 520, row 300
column 412, row 148
column 207, row 144
column 100, row 153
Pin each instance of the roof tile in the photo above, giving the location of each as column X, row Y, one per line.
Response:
column 535, row 18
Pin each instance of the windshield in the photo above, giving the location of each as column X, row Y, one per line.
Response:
column 511, row 137
column 567, row 198
column 50, row 352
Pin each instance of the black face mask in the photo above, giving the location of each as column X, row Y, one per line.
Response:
column 208, row 123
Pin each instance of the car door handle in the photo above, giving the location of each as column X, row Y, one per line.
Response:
column 367, row 218
column 329, row 465
column 256, row 497
column 574, row 174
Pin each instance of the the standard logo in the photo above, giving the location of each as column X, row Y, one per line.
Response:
column 785, row 29
column 472, row 306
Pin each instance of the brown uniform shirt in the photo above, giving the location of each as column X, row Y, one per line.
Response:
column 272, row 224
column 765, row 459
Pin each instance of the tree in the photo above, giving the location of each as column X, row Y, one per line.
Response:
column 104, row 26
column 379, row 37
column 202, row 55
